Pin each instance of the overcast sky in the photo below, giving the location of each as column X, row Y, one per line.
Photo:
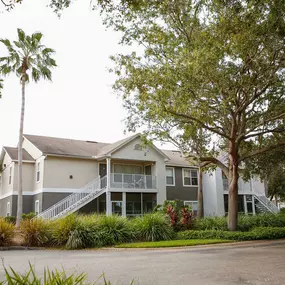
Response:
column 80, row 102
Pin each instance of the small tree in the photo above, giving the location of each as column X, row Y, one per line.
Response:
column 29, row 59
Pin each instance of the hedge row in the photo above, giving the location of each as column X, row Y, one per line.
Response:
column 245, row 222
column 259, row 233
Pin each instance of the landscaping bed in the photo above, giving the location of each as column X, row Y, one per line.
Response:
column 94, row 231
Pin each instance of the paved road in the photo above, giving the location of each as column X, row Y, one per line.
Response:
column 256, row 264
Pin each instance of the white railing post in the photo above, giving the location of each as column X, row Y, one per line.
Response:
column 108, row 193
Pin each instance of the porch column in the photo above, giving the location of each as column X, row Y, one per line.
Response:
column 108, row 193
column 124, row 206
column 245, row 204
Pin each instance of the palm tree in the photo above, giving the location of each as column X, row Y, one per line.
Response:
column 29, row 60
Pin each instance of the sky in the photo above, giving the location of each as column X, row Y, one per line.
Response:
column 80, row 102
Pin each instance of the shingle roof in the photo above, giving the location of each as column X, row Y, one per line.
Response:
column 176, row 158
column 13, row 153
column 111, row 147
column 69, row 147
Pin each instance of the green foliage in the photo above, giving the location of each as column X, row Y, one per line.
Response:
column 85, row 234
column 258, row 233
column 6, row 232
column 153, row 227
column 115, row 229
column 210, row 66
column 49, row 278
column 211, row 223
column 29, row 216
column 282, row 211
column 246, row 222
column 62, row 229
column 180, row 216
column 10, row 219
column 36, row 232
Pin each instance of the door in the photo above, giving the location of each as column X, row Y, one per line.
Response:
column 102, row 173
column 102, row 169
column 148, row 178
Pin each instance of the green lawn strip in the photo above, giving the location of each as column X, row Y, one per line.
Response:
column 172, row 243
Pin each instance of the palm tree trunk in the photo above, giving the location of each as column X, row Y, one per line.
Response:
column 200, row 195
column 20, row 157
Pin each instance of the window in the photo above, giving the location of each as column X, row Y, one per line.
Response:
column 8, row 213
column 38, row 172
column 190, row 177
column 170, row 176
column 10, row 175
column 193, row 205
column 37, row 207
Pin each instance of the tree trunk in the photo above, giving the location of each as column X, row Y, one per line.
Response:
column 20, row 157
column 200, row 195
column 233, row 189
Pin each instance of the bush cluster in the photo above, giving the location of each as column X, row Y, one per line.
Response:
column 258, row 233
column 77, row 231
column 245, row 222
column 6, row 232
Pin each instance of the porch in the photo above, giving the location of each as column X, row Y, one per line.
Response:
column 131, row 187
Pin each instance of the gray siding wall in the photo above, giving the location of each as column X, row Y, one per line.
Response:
column 13, row 199
column 179, row 191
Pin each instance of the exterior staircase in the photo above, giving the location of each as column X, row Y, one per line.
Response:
column 76, row 200
column 264, row 205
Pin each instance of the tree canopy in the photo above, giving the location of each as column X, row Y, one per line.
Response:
column 213, row 65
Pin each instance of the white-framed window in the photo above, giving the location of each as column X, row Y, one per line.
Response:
column 170, row 176
column 193, row 205
column 8, row 210
column 10, row 175
column 190, row 177
column 38, row 172
column 37, row 207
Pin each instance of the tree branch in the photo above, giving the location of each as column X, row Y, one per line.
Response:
column 211, row 129
column 261, row 151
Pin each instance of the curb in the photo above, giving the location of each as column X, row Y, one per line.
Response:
column 17, row 247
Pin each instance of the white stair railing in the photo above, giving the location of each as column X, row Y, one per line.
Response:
column 267, row 203
column 76, row 200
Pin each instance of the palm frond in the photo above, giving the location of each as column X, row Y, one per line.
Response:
column 21, row 35
column 36, row 74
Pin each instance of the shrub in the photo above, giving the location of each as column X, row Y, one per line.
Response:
column 115, row 229
column 153, row 227
column 255, row 234
column 6, row 232
column 10, row 219
column 29, row 216
column 36, row 232
column 180, row 216
column 211, row 223
column 245, row 222
column 62, row 228
column 86, row 233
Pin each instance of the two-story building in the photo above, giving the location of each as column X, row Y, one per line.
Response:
column 61, row 176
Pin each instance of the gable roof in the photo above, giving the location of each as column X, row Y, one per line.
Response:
column 176, row 158
column 13, row 153
column 65, row 147
column 79, row 148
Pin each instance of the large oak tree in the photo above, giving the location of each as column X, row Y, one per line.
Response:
column 214, row 65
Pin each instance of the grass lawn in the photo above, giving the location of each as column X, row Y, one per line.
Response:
column 172, row 243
